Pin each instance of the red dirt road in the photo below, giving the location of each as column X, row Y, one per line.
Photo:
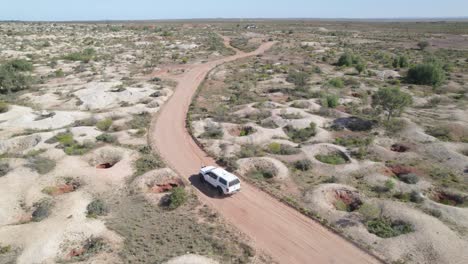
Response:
column 282, row 232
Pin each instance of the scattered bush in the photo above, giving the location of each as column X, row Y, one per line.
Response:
column 13, row 77
column 106, row 138
column 354, row 141
column 41, row 164
column 69, row 145
column 423, row 44
column 336, row 82
column 250, row 150
column 4, row 168
column 212, row 131
column 91, row 247
column 303, row 165
column 177, row 197
column 147, row 162
column 385, row 228
column 427, row 74
column 104, row 125
column 394, row 126
column 96, row 208
column 332, row 101
column 440, row 132
column 261, row 174
column 41, row 210
column 409, row 178
column 246, row 130
column 140, row 121
column 298, row 78
column 392, row 101
column 85, row 56
column 4, row 249
column 280, row 149
column 369, row 211
column 401, row 62
column 4, row 107
column 335, row 158
column 300, row 135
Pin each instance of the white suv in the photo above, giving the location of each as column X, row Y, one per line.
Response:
column 223, row 181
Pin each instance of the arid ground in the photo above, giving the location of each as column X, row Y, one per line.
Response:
column 350, row 138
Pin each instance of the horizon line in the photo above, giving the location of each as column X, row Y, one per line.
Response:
column 415, row 19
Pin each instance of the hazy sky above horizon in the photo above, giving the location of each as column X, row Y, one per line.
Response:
column 175, row 9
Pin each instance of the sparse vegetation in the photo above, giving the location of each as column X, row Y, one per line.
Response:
column 147, row 162
column 177, row 198
column 301, row 135
column 4, row 168
column 41, row 210
column 386, row 228
column 96, row 208
column 41, row 165
column 334, row 158
column 104, row 124
column 427, row 74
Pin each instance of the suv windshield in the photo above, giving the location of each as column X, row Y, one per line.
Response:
column 234, row 182
column 223, row 181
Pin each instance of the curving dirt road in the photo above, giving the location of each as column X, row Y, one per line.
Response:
column 282, row 232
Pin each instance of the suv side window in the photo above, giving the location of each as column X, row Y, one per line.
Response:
column 212, row 175
column 223, row 181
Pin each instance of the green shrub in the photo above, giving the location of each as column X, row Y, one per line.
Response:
column 4, row 168
column 78, row 149
column 440, row 132
column 369, row 211
column 332, row 158
column 423, row 44
column 385, row 228
column 341, row 206
column 106, row 138
column 427, row 74
column 41, row 164
column 389, row 184
column 303, row 165
column 4, row 107
column 91, row 247
column 96, row 208
column 41, row 210
column 104, row 125
column 354, row 141
column 140, row 121
column 415, row 197
column 5, row 249
column 336, row 82
column 13, row 77
column 298, row 78
column 332, row 100
column 280, row 149
column 394, row 126
column 250, row 150
column 147, row 162
column 85, row 56
column 409, row 178
column 346, row 59
column 300, row 135
column 401, row 62
column 177, row 197
column 259, row 174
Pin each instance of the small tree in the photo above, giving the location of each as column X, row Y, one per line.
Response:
column 392, row 101
column 423, row 44
column 298, row 78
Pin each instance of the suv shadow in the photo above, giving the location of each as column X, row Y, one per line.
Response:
column 205, row 188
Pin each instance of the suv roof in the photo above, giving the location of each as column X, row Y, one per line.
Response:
column 220, row 173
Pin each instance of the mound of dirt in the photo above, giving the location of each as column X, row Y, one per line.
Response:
column 106, row 157
column 157, row 181
column 19, row 144
column 265, row 164
column 191, row 259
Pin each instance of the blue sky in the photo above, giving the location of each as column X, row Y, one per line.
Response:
column 172, row 9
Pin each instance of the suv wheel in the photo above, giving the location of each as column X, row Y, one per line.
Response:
column 220, row 191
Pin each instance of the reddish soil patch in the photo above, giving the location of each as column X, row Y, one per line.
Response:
column 349, row 198
column 166, row 186
column 356, row 95
column 278, row 98
column 449, row 198
column 105, row 166
column 234, row 131
column 401, row 169
column 399, row 148
column 76, row 252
